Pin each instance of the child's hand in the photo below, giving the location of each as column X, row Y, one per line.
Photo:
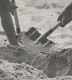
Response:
column 65, row 17
column 12, row 7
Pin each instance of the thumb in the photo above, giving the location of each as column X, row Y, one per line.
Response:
column 62, row 22
column 60, row 17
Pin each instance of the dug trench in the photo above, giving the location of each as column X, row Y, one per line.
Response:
column 53, row 62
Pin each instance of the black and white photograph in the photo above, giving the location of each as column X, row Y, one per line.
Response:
column 35, row 39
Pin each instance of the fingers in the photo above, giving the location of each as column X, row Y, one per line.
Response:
column 12, row 7
column 65, row 18
column 60, row 17
column 63, row 22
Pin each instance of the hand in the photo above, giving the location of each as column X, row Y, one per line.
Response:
column 12, row 7
column 65, row 17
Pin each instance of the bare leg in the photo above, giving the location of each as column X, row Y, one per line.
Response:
column 8, row 26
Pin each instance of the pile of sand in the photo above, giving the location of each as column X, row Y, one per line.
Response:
column 56, row 62
column 15, row 71
column 23, row 71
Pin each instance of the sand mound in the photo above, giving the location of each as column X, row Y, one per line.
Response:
column 53, row 62
column 15, row 71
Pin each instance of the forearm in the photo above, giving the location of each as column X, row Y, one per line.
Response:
column 69, row 7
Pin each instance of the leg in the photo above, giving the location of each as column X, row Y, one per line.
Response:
column 8, row 26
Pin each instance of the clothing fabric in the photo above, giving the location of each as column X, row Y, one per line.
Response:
column 4, row 5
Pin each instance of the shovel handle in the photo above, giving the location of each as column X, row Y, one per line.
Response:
column 48, row 33
column 16, row 19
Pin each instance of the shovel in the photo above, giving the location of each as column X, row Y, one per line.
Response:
column 16, row 19
column 42, row 37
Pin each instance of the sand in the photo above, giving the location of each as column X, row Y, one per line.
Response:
column 35, row 62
